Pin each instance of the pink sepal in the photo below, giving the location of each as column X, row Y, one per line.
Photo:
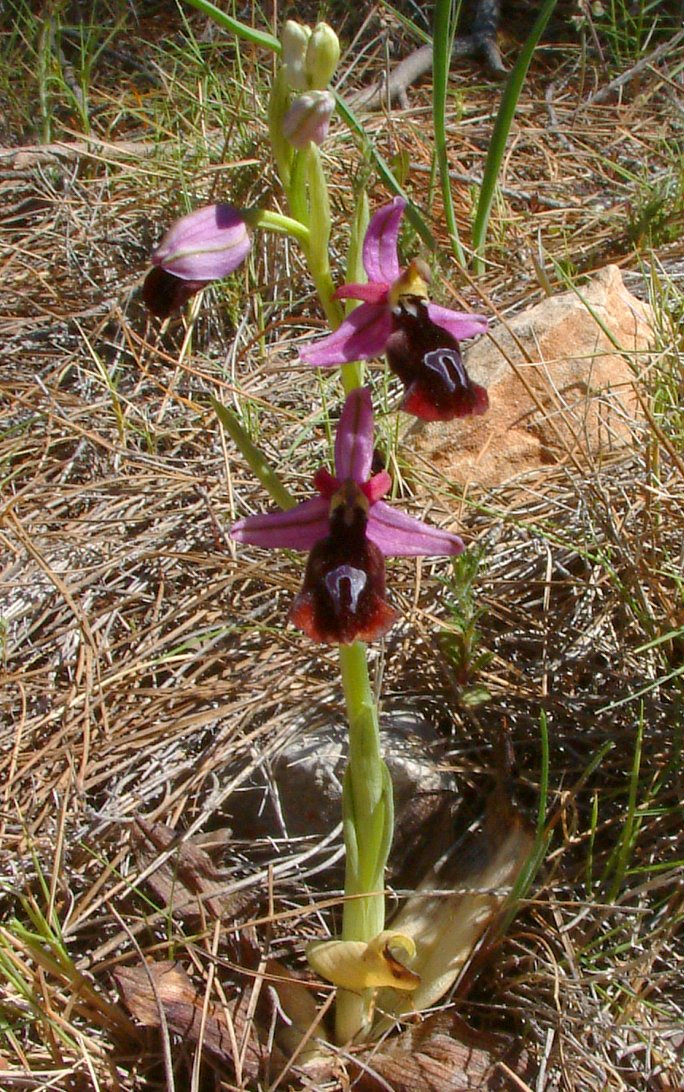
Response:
column 380, row 258
column 459, row 324
column 400, row 535
column 298, row 528
column 354, row 437
column 362, row 335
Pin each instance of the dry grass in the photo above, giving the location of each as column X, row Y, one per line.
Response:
column 147, row 670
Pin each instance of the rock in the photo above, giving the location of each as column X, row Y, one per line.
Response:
column 299, row 795
column 560, row 380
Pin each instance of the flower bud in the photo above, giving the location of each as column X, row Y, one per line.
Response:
column 205, row 245
column 322, row 55
column 294, row 39
column 308, row 119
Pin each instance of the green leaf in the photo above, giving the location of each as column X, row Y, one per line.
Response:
column 441, row 55
column 241, row 30
column 502, row 127
column 256, row 458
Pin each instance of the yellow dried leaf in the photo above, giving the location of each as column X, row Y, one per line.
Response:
column 355, row 965
column 446, row 930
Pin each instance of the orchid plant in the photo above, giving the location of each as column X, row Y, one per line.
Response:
column 346, row 527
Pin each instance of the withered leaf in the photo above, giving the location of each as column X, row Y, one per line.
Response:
column 427, row 1058
column 187, row 882
column 453, row 1068
column 296, row 998
column 446, row 929
column 166, row 986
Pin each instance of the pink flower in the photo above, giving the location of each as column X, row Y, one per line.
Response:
column 349, row 531
column 395, row 302
column 203, row 246
column 365, row 332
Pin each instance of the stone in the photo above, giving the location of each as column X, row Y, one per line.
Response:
column 560, row 378
column 298, row 796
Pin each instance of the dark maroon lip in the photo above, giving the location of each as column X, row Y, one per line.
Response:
column 163, row 293
column 343, row 596
column 427, row 359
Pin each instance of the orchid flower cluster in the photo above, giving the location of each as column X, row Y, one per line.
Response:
column 347, row 528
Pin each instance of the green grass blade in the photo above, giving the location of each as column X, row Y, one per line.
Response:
column 542, row 840
column 254, row 457
column 502, row 127
column 544, row 777
column 241, row 30
column 620, row 857
column 441, row 56
column 385, row 171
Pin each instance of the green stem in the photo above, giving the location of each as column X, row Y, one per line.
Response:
column 352, row 374
column 278, row 103
column 363, row 918
column 368, row 821
column 319, row 208
column 276, row 222
column 297, row 196
column 325, row 287
column 319, row 226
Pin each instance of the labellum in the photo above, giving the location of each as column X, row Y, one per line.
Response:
column 427, row 359
column 355, row 965
column 163, row 293
column 343, row 596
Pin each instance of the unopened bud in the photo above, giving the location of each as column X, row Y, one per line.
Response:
column 205, row 245
column 322, row 55
column 294, row 39
column 308, row 119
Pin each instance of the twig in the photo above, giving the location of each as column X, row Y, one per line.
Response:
column 27, row 156
column 37, row 155
column 554, row 124
column 655, row 55
column 517, row 194
column 481, row 43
